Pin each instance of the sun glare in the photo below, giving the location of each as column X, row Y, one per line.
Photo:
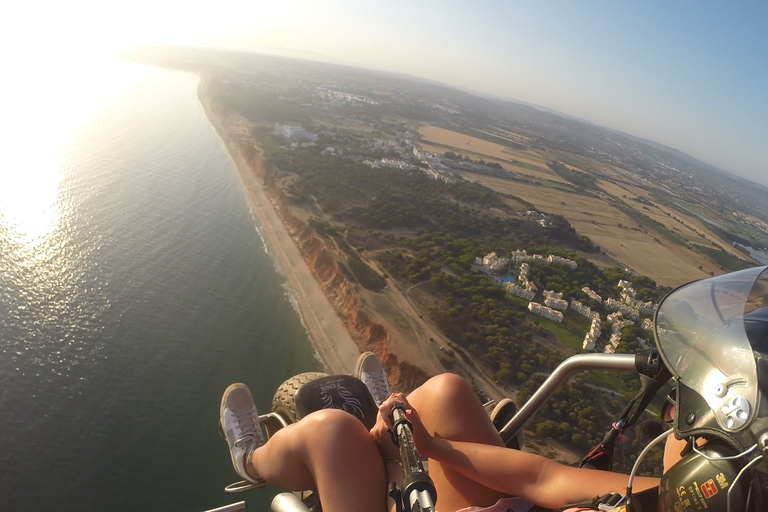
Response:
column 51, row 91
column 63, row 69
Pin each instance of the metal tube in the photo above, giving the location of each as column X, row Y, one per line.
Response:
column 579, row 362
column 234, row 507
column 288, row 502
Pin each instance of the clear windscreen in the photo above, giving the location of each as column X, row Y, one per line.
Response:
column 701, row 336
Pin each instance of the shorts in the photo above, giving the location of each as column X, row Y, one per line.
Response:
column 513, row 504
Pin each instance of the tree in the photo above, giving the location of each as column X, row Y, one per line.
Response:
column 505, row 372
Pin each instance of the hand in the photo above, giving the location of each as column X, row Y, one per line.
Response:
column 380, row 431
column 387, row 448
column 382, row 434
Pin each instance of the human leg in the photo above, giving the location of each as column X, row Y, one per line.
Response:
column 329, row 450
column 449, row 408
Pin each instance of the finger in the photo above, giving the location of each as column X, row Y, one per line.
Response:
column 387, row 419
column 383, row 417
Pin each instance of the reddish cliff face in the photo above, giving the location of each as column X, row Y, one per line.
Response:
column 321, row 260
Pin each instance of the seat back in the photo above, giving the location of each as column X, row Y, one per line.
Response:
column 337, row 392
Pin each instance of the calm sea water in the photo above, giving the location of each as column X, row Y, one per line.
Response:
column 134, row 287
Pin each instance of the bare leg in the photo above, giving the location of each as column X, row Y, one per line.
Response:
column 331, row 451
column 449, row 408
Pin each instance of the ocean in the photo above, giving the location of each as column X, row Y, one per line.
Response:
column 134, row 287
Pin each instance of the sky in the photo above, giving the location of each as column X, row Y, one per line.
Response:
column 690, row 75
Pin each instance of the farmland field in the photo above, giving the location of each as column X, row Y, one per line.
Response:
column 614, row 231
column 526, row 162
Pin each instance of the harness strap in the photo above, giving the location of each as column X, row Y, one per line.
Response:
column 601, row 456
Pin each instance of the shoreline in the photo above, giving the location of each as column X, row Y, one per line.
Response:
column 326, row 331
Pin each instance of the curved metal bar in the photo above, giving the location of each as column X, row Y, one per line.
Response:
column 579, row 362
column 234, row 507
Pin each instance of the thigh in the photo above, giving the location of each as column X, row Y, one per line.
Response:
column 449, row 408
column 331, row 451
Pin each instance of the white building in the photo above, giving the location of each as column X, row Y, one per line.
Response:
column 591, row 294
column 580, row 308
column 519, row 256
column 556, row 303
column 294, row 132
column 544, row 311
column 519, row 291
column 562, row 261
column 494, row 262
column 594, row 332
column 614, row 305
column 647, row 324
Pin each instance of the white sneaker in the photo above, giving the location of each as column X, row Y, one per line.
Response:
column 240, row 427
column 369, row 370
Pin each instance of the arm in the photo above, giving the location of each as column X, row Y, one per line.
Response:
column 535, row 478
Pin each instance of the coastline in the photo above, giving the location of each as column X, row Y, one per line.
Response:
column 327, row 332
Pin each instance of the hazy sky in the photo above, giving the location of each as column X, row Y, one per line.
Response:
column 691, row 75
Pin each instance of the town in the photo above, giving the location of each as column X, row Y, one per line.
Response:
column 623, row 313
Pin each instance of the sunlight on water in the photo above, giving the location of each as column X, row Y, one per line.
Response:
column 55, row 100
column 133, row 284
column 28, row 205
column 50, row 106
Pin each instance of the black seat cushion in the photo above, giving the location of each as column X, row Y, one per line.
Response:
column 342, row 392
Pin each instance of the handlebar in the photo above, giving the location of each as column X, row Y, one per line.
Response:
column 418, row 494
column 579, row 362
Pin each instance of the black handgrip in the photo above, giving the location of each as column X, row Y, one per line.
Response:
column 649, row 363
column 419, row 492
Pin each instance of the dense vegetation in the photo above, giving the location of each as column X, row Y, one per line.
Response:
column 580, row 180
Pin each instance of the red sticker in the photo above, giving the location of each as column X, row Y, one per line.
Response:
column 708, row 488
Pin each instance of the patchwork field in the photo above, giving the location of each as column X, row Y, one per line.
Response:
column 526, row 162
column 688, row 227
column 617, row 234
column 620, row 236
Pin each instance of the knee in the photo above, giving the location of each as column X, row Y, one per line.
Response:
column 333, row 425
column 333, row 434
column 449, row 387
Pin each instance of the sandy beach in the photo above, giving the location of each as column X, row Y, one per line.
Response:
column 329, row 337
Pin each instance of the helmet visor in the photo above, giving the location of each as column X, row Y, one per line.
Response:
column 700, row 334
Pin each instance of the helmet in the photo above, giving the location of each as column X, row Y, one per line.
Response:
column 713, row 337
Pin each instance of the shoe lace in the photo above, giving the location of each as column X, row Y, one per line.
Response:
column 379, row 386
column 248, row 434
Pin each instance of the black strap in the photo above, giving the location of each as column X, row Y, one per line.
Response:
column 601, row 456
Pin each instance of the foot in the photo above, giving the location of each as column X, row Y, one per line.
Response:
column 369, row 370
column 501, row 415
column 240, row 426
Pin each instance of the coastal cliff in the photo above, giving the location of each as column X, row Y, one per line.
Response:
column 316, row 252
column 323, row 263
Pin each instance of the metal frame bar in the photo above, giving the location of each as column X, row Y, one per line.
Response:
column 579, row 362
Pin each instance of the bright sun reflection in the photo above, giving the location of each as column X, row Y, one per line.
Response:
column 28, row 205
column 52, row 91
column 60, row 69
column 49, row 109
